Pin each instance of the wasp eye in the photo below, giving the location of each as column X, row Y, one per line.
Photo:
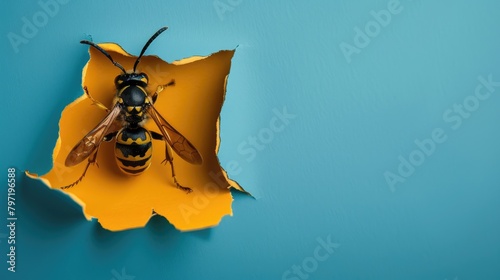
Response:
column 118, row 80
column 144, row 78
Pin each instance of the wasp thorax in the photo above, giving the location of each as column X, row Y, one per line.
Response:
column 133, row 96
column 139, row 79
column 133, row 101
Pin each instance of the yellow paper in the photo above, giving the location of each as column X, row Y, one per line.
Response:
column 192, row 106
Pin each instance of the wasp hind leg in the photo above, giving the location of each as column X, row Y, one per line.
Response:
column 170, row 159
column 92, row 160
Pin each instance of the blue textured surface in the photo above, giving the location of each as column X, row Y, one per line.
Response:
column 322, row 176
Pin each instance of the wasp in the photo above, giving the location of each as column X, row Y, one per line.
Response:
column 132, row 106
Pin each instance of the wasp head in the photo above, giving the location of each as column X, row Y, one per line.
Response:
column 131, row 79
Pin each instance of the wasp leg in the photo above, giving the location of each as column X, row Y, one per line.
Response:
column 95, row 102
column 160, row 88
column 92, row 160
column 170, row 159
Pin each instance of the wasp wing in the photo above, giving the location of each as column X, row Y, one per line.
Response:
column 93, row 139
column 179, row 143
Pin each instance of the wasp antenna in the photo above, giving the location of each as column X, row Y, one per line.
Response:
column 147, row 45
column 105, row 53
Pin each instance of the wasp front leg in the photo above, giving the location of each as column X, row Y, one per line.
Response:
column 160, row 88
column 94, row 101
column 169, row 159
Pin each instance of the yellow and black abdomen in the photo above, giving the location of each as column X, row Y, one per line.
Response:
column 133, row 150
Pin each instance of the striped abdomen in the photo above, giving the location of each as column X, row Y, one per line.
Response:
column 133, row 150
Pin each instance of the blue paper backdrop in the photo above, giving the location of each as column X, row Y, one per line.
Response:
column 367, row 130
